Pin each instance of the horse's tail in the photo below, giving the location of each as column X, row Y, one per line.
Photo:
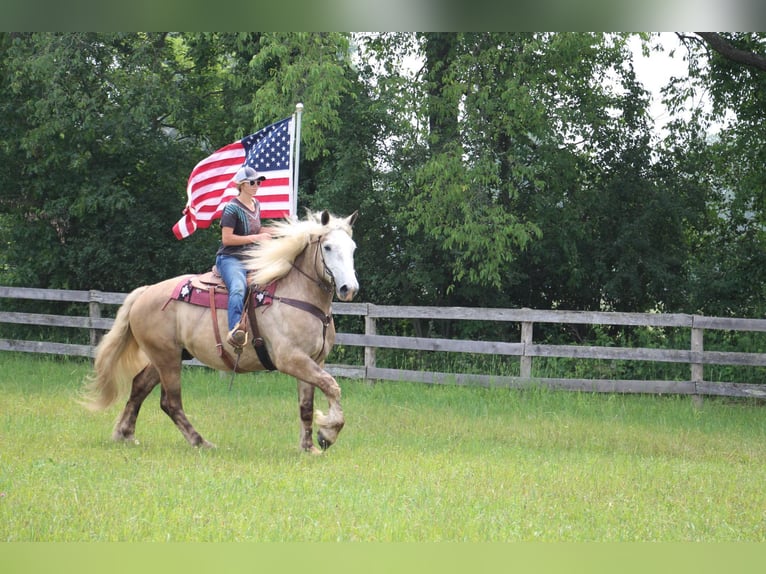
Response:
column 118, row 360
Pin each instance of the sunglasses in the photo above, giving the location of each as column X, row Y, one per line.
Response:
column 254, row 181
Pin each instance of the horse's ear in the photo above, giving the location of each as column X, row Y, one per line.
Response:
column 352, row 218
column 325, row 217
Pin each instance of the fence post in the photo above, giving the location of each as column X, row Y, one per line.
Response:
column 369, row 352
column 698, row 373
column 527, row 328
column 94, row 311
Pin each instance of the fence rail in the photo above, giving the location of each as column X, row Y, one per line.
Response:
column 526, row 349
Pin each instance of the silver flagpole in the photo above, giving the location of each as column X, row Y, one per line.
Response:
column 296, row 166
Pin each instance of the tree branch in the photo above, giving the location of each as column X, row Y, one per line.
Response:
column 727, row 50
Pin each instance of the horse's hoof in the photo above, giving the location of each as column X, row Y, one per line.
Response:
column 205, row 444
column 125, row 439
column 324, row 444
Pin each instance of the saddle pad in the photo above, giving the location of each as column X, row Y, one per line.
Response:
column 188, row 291
column 265, row 296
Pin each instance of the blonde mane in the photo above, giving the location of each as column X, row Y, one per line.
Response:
column 273, row 259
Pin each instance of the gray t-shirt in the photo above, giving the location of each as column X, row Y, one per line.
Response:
column 243, row 221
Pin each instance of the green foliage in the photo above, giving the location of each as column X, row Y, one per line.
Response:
column 96, row 167
column 102, row 130
column 489, row 169
column 725, row 147
column 480, row 235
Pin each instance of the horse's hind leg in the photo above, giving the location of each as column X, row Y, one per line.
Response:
column 143, row 383
column 171, row 404
column 306, row 408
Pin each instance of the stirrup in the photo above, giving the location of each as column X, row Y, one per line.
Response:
column 237, row 337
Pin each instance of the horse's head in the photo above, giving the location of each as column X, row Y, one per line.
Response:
column 337, row 248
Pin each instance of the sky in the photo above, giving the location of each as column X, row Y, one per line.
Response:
column 656, row 71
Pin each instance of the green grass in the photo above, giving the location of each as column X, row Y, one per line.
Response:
column 414, row 463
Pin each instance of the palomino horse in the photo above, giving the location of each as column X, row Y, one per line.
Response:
column 307, row 260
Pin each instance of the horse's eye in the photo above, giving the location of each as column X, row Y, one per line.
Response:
column 327, row 248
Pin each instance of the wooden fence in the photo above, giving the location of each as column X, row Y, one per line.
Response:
column 696, row 358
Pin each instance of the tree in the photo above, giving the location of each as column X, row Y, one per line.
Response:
column 727, row 265
column 87, row 147
column 728, row 50
column 458, row 194
column 533, row 178
column 491, row 169
column 102, row 130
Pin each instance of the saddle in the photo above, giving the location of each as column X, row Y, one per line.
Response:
column 208, row 290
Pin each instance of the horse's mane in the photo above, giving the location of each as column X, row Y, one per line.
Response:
column 273, row 259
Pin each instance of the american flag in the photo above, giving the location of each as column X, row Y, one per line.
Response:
column 211, row 182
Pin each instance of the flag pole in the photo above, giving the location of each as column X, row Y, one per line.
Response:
column 296, row 167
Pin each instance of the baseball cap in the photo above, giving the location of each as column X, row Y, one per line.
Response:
column 245, row 173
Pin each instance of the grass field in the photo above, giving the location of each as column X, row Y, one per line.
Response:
column 414, row 463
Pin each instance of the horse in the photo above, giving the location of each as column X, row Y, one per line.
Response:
column 306, row 262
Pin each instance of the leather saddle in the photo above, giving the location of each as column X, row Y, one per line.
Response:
column 209, row 290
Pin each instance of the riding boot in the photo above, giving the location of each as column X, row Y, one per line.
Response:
column 237, row 337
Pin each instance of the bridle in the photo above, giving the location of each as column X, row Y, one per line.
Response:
column 325, row 318
column 326, row 287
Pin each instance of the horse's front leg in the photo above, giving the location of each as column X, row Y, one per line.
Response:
column 306, row 410
column 304, row 369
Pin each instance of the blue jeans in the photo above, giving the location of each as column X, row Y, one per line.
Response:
column 234, row 276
